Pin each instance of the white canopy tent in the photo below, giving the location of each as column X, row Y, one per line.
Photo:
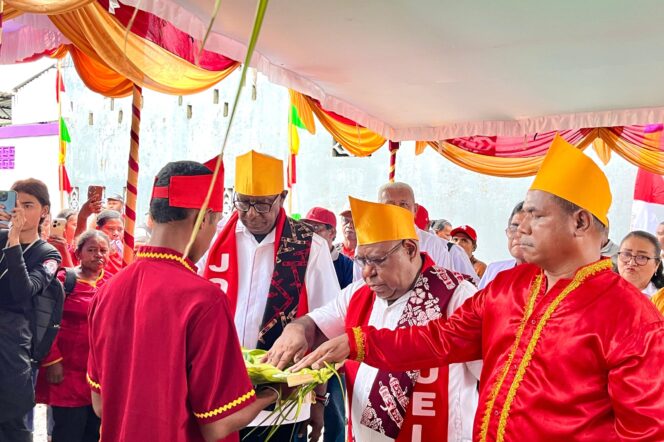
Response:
column 432, row 70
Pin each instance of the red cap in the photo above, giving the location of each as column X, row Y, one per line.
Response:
column 421, row 217
column 321, row 215
column 189, row 191
column 469, row 231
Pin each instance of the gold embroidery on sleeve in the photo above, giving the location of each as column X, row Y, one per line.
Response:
column 92, row 383
column 226, row 407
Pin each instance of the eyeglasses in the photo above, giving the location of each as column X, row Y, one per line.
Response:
column 245, row 206
column 640, row 260
column 317, row 227
column 364, row 261
column 511, row 229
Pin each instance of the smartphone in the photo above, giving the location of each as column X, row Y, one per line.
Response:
column 7, row 199
column 96, row 192
column 58, row 227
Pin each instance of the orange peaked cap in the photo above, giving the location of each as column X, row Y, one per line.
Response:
column 571, row 175
column 376, row 222
column 257, row 174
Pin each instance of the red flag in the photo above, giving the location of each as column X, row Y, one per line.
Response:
column 648, row 207
column 59, row 85
column 65, row 184
column 292, row 170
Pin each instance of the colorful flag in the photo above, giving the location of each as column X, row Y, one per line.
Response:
column 648, row 206
column 294, row 122
column 65, row 184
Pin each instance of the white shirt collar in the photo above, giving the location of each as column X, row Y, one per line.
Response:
column 269, row 239
column 650, row 290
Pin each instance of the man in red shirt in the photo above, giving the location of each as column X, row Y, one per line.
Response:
column 571, row 350
column 165, row 362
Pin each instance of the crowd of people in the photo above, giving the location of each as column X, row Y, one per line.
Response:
column 562, row 341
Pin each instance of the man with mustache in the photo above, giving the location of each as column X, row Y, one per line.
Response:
column 571, row 350
column 401, row 287
column 273, row 269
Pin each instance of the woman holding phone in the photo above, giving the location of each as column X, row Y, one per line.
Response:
column 62, row 236
column 18, row 284
column 62, row 383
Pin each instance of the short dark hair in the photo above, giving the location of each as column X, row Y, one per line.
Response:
column 160, row 211
column 36, row 188
column 517, row 209
column 87, row 235
column 107, row 215
column 569, row 208
column 658, row 277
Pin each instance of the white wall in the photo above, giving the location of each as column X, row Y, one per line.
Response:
column 98, row 155
column 35, row 158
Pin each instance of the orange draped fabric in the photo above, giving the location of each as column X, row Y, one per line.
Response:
column 50, row 7
column 98, row 77
column 648, row 156
column 512, row 167
column 101, row 38
column 10, row 12
column 357, row 140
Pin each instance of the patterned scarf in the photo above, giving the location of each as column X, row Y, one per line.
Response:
column 389, row 404
column 287, row 298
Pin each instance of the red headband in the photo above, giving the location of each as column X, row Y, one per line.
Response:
column 189, row 191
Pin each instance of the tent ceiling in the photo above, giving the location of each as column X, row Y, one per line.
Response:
column 404, row 68
column 437, row 69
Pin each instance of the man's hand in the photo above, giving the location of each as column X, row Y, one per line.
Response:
column 315, row 421
column 333, row 351
column 291, row 346
column 55, row 373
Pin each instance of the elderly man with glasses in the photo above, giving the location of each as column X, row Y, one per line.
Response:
column 401, row 287
column 272, row 268
column 513, row 238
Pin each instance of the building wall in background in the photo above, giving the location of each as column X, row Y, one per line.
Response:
column 192, row 127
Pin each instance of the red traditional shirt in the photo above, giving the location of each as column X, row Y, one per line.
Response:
column 114, row 263
column 71, row 349
column 581, row 362
column 164, row 354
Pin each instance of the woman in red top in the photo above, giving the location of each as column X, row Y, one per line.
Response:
column 112, row 224
column 61, row 382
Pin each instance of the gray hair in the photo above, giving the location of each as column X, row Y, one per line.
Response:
column 440, row 224
column 395, row 186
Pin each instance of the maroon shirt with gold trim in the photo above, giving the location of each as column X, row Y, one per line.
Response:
column 164, row 354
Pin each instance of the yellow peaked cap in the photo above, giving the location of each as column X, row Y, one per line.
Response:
column 258, row 175
column 571, row 175
column 375, row 222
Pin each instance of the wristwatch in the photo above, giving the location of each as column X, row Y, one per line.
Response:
column 325, row 399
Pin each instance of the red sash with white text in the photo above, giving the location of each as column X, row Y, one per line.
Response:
column 287, row 297
column 407, row 406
